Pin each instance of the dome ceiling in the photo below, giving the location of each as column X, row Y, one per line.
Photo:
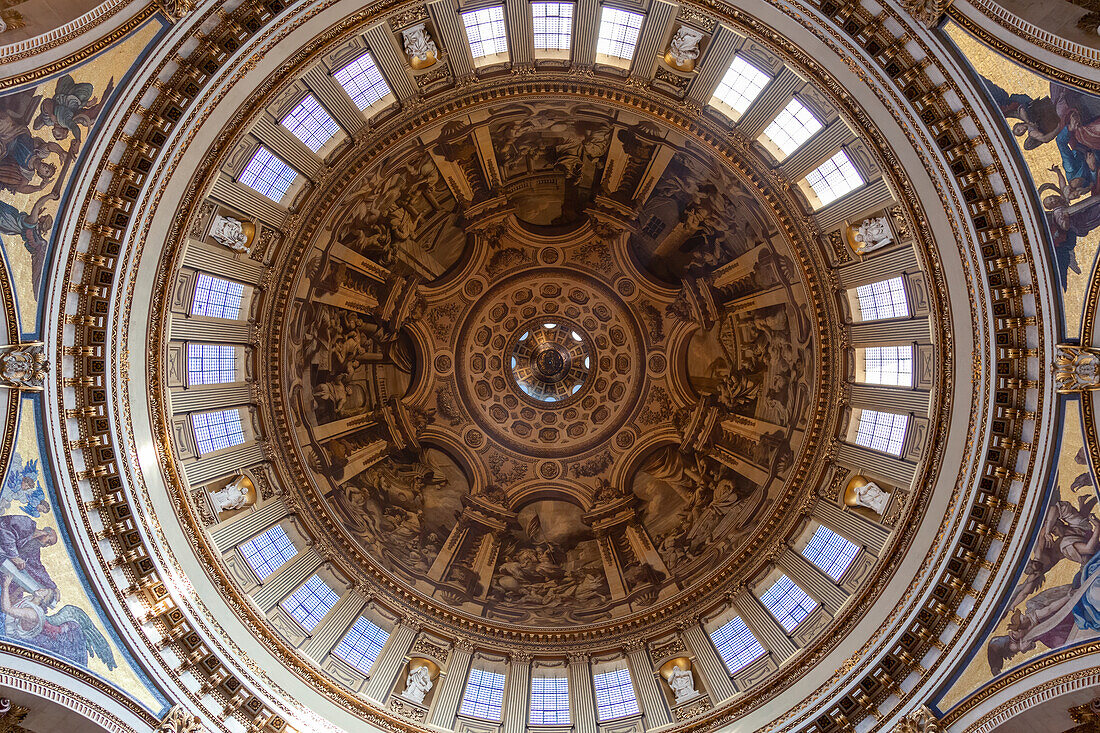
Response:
column 574, row 395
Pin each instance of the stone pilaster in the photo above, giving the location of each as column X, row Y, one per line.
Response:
column 283, row 581
column 334, row 625
column 715, row 675
column 809, row 576
column 243, row 527
column 517, row 693
column 582, row 703
column 390, row 661
column 653, row 701
column 449, row 695
column 764, row 626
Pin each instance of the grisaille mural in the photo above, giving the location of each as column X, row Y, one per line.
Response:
column 485, row 528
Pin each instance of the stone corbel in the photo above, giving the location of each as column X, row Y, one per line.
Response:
column 1076, row 368
column 23, row 366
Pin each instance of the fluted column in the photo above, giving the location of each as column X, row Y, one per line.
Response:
column 871, row 535
column 767, row 105
column 586, row 25
column 876, row 464
column 715, row 64
column 223, row 462
column 653, row 702
column 817, row 150
column 877, row 266
column 582, row 704
column 287, row 146
column 450, row 694
column 715, row 674
column 765, row 627
column 335, row 99
column 390, row 661
column 289, row 576
column 874, row 195
column 902, row 398
column 243, row 198
column 809, row 576
column 887, row 332
column 204, row 397
column 217, row 259
column 335, row 623
column 243, row 527
column 517, row 693
column 208, row 330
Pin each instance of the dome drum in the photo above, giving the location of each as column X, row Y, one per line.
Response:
column 548, row 379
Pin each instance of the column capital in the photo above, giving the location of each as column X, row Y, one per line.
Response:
column 178, row 720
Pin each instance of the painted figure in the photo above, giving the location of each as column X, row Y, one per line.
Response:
column 71, row 107
column 21, row 487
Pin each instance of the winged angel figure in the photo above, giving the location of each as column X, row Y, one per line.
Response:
column 69, row 633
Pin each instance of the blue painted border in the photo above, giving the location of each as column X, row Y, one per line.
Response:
column 35, row 404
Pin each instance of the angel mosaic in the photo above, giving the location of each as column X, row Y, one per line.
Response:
column 1053, row 615
column 33, row 164
column 1069, row 120
column 23, row 489
column 28, row 596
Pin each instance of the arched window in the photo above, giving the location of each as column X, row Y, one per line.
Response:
column 882, row 431
column 834, row 178
column 484, row 695
column 792, row 127
column 362, row 644
column 268, row 175
column 736, row 644
column 788, row 603
column 267, row 551
column 830, row 552
column 741, row 85
column 211, row 364
column 217, row 298
column 217, row 430
column 309, row 604
column 884, row 299
column 363, row 82
column 615, row 696
column 549, row 701
column 311, row 123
